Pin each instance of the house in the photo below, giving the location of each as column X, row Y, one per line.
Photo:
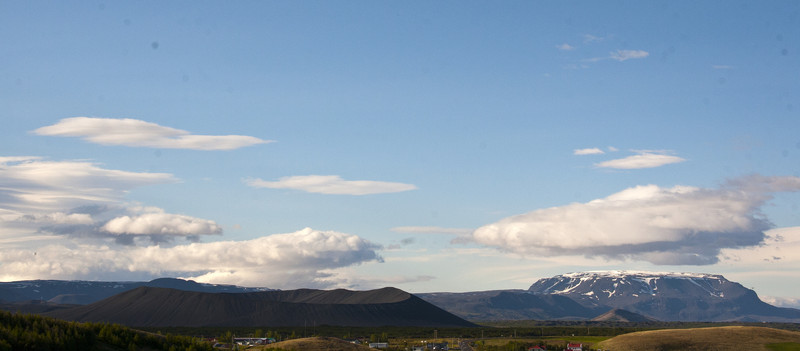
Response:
column 574, row 347
column 536, row 348
column 379, row 345
column 437, row 346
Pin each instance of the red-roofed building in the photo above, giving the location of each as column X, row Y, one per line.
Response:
column 574, row 347
column 536, row 348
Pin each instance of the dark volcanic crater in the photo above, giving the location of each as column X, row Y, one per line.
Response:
column 154, row 307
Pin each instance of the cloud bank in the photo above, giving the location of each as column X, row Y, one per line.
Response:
column 79, row 199
column 331, row 184
column 137, row 133
column 678, row 225
column 293, row 260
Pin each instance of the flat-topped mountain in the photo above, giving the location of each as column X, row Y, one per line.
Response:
column 155, row 307
column 666, row 296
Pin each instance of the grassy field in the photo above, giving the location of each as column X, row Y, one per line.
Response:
column 314, row 344
column 713, row 338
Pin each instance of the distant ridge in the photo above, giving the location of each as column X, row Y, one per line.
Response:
column 82, row 292
column 156, row 307
column 511, row 305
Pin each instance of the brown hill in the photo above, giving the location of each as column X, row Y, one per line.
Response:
column 716, row 338
column 154, row 307
column 619, row 315
column 318, row 344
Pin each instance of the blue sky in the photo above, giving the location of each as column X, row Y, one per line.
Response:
column 432, row 146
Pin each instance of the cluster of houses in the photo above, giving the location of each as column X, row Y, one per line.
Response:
column 431, row 346
column 246, row 342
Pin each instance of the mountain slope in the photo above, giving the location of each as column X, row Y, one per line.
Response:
column 618, row 315
column 150, row 307
column 511, row 305
column 666, row 296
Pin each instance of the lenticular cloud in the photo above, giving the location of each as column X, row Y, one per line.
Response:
column 137, row 133
column 678, row 225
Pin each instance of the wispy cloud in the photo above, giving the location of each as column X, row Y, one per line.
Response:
column 331, row 184
column 137, row 133
column 624, row 55
column 565, row 47
column 80, row 199
column 645, row 159
column 34, row 184
column 588, row 38
column 678, row 225
column 589, row 151
column 295, row 260
column 620, row 55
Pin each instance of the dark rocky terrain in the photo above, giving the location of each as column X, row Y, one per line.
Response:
column 155, row 307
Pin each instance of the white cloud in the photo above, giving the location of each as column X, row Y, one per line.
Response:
column 565, row 47
column 292, row 260
column 589, row 151
column 679, row 225
column 624, row 55
column 79, row 199
column 612, row 149
column 137, row 133
column 32, row 185
column 645, row 159
column 331, row 184
column 791, row 302
column 161, row 224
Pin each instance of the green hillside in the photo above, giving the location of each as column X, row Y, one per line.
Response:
column 33, row 332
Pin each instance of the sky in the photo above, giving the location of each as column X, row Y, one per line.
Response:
column 425, row 145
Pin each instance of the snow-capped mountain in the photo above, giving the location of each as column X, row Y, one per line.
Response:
column 665, row 296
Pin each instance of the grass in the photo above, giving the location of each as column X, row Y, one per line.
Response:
column 783, row 346
column 314, row 344
column 714, row 338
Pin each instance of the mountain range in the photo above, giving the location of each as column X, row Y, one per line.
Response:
column 81, row 292
column 614, row 296
column 587, row 295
